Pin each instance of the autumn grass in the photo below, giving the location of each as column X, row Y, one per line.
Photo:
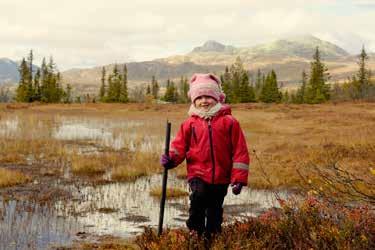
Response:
column 88, row 165
column 12, row 177
column 125, row 174
column 105, row 243
column 282, row 139
column 172, row 193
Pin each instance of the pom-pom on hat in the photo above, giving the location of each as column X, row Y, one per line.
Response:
column 205, row 84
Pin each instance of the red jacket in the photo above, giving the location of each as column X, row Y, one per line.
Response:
column 215, row 150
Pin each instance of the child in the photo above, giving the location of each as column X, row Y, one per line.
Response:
column 216, row 154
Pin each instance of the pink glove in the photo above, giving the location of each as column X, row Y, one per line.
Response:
column 166, row 161
column 236, row 188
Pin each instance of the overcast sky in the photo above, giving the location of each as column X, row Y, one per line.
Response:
column 86, row 33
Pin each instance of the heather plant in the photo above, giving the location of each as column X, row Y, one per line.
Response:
column 310, row 224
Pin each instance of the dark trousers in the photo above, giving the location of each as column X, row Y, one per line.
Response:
column 206, row 206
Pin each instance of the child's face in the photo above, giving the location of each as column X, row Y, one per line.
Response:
column 204, row 103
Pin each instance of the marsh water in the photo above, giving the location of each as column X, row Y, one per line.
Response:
column 117, row 209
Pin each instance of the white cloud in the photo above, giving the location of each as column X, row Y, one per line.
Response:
column 95, row 32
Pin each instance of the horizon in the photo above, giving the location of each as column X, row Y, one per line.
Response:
column 88, row 34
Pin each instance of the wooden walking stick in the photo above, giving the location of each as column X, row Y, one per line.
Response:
column 165, row 177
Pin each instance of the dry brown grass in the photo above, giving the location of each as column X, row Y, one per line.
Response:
column 12, row 177
column 106, row 243
column 284, row 137
column 172, row 193
column 124, row 173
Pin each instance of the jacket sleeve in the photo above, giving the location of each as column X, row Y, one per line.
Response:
column 241, row 159
column 180, row 145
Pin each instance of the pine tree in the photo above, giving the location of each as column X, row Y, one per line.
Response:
column 44, row 85
column 270, row 91
column 247, row 93
column 155, row 88
column 183, row 90
column 285, row 97
column 170, row 93
column 102, row 90
column 236, row 71
column 226, row 80
column 317, row 91
column 114, row 85
column 363, row 76
column 37, row 90
column 300, row 95
column 22, row 92
column 259, row 84
column 123, row 97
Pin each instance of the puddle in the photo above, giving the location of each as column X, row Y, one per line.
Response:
column 118, row 209
column 114, row 135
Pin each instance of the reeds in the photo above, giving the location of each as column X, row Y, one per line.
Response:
column 172, row 193
column 12, row 177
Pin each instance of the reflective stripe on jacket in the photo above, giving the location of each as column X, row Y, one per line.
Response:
column 215, row 150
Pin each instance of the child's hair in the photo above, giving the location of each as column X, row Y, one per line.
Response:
column 206, row 84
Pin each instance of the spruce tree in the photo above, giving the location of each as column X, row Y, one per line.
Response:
column 226, row 80
column 124, row 86
column 114, row 85
column 102, row 86
column 270, row 91
column 317, row 91
column 236, row 72
column 300, row 95
column 183, row 90
column 155, row 88
column 170, row 92
column 37, row 90
column 363, row 76
column 22, row 92
column 247, row 93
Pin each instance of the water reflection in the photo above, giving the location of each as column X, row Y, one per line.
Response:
column 119, row 209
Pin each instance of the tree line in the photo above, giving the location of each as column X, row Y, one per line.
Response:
column 42, row 83
column 240, row 86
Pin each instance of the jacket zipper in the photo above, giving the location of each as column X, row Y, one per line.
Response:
column 212, row 150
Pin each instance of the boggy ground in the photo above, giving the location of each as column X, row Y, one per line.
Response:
column 290, row 145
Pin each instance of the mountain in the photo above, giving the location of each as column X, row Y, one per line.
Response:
column 300, row 48
column 213, row 46
column 8, row 71
column 288, row 57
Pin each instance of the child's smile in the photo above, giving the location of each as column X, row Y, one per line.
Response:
column 204, row 103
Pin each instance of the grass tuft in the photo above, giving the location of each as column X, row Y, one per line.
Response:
column 12, row 177
column 172, row 193
column 124, row 173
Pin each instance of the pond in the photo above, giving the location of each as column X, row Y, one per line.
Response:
column 118, row 209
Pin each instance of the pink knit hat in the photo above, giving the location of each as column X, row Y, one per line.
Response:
column 205, row 84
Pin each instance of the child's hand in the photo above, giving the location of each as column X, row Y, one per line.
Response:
column 236, row 188
column 166, row 161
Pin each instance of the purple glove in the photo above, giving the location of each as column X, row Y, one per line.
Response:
column 236, row 188
column 166, row 161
